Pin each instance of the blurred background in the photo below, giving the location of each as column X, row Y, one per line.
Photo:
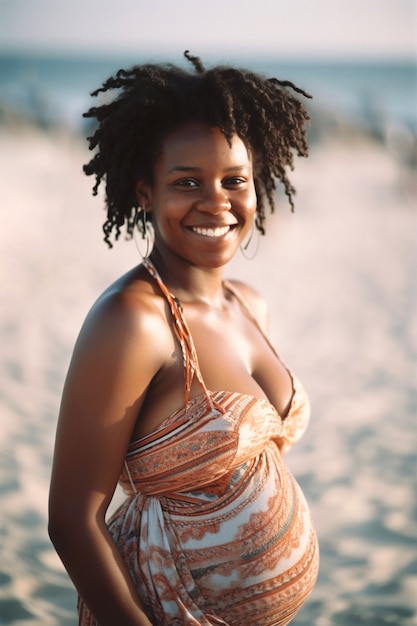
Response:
column 340, row 274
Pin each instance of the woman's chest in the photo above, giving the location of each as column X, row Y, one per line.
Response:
column 231, row 354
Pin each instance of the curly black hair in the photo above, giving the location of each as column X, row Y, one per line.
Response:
column 154, row 99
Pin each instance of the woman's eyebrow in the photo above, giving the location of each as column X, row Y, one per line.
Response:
column 184, row 168
column 190, row 168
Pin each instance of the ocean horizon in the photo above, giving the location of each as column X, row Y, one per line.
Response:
column 55, row 88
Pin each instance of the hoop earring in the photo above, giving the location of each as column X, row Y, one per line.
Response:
column 255, row 245
column 146, row 230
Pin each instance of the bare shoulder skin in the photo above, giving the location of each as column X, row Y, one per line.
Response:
column 255, row 302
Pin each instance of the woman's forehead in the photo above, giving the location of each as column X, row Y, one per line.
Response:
column 196, row 146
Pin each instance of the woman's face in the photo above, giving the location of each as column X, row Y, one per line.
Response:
column 202, row 198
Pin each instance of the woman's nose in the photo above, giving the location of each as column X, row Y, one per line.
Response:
column 214, row 200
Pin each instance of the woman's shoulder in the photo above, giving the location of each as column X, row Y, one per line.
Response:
column 253, row 300
column 128, row 309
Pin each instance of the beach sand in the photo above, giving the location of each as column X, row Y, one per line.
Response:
column 340, row 276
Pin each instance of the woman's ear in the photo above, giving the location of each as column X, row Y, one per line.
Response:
column 144, row 195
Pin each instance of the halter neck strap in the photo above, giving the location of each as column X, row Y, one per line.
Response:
column 182, row 331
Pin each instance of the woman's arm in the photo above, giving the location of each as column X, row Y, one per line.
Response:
column 115, row 358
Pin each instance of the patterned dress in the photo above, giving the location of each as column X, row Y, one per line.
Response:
column 215, row 530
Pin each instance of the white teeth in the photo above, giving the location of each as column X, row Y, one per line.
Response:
column 211, row 232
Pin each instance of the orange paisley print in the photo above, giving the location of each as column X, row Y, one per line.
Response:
column 215, row 530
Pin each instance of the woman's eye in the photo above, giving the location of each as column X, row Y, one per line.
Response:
column 236, row 180
column 186, row 182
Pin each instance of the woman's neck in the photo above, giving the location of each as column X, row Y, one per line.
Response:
column 190, row 284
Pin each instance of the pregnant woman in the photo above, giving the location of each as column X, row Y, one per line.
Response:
column 174, row 389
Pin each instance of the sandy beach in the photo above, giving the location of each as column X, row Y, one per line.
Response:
column 340, row 276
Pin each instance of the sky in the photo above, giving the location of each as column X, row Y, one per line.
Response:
column 290, row 28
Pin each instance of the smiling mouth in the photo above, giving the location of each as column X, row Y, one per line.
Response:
column 219, row 231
